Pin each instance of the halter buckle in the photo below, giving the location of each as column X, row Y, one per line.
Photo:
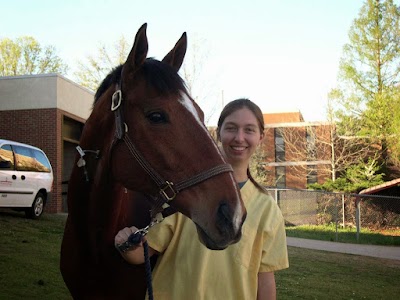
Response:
column 168, row 187
column 116, row 100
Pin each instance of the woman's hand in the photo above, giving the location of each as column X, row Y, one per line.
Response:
column 132, row 253
column 123, row 235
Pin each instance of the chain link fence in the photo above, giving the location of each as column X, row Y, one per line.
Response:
column 303, row 207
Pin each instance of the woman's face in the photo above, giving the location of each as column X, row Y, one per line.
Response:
column 240, row 135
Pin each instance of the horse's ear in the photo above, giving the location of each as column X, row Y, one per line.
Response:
column 176, row 55
column 138, row 54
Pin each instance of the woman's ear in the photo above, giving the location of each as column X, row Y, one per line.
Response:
column 261, row 138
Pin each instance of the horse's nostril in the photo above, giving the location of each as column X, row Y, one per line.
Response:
column 224, row 219
column 223, row 211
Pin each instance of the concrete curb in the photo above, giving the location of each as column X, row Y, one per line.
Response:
column 388, row 252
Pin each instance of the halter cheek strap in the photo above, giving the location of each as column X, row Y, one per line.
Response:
column 120, row 125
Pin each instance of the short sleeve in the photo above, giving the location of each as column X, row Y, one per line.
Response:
column 160, row 235
column 274, row 253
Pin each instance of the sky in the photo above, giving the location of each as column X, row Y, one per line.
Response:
column 282, row 54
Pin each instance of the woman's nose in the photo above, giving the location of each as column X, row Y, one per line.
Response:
column 239, row 137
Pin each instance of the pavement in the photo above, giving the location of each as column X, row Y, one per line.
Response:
column 388, row 252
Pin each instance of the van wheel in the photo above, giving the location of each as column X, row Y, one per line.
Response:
column 37, row 208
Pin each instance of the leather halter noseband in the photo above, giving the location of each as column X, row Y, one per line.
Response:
column 167, row 189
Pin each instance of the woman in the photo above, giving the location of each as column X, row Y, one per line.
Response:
column 185, row 268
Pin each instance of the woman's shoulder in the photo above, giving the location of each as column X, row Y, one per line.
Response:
column 250, row 190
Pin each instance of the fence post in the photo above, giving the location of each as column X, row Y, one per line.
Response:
column 337, row 217
column 277, row 197
column 358, row 218
column 343, row 223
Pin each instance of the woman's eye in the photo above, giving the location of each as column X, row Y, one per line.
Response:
column 251, row 129
column 157, row 117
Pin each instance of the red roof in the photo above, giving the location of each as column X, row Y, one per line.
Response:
column 380, row 187
column 283, row 117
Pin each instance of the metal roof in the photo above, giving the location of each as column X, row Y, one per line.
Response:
column 380, row 187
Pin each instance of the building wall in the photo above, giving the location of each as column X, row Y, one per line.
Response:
column 28, row 92
column 32, row 111
column 37, row 127
column 45, row 91
column 296, row 160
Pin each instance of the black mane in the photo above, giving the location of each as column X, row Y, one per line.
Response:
column 158, row 75
column 113, row 77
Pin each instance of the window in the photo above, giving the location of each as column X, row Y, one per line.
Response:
column 312, row 174
column 279, row 146
column 311, row 146
column 280, row 177
column 6, row 158
column 28, row 159
column 43, row 162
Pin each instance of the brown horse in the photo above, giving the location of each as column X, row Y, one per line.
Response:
column 154, row 130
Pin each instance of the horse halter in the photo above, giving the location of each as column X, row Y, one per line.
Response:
column 167, row 189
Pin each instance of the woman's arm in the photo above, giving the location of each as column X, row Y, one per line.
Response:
column 266, row 286
column 135, row 255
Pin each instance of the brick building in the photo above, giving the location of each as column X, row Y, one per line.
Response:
column 47, row 111
column 296, row 152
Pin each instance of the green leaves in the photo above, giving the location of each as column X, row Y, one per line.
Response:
column 25, row 56
column 366, row 99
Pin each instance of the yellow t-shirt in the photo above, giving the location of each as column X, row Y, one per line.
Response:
column 186, row 269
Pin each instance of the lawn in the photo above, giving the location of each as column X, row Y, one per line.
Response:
column 29, row 267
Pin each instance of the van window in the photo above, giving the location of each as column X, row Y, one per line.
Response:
column 28, row 159
column 44, row 164
column 6, row 158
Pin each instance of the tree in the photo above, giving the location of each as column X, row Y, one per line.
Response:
column 200, row 86
column 92, row 72
column 369, row 73
column 25, row 56
column 257, row 168
column 355, row 178
column 316, row 149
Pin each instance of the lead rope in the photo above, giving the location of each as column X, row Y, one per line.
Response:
column 133, row 240
column 149, row 282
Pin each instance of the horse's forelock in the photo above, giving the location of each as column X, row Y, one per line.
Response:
column 163, row 77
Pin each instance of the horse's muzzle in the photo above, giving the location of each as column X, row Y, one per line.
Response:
column 229, row 230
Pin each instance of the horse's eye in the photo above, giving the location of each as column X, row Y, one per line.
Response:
column 157, row 117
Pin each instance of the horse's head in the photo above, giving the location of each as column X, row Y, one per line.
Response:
column 163, row 147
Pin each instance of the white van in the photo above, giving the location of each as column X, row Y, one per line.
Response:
column 26, row 178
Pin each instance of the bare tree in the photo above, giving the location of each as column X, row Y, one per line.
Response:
column 201, row 86
column 319, row 145
column 96, row 67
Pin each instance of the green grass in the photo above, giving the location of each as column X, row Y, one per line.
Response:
column 345, row 235
column 29, row 267
column 317, row 274
column 29, row 257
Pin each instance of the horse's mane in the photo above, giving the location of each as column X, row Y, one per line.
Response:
column 158, row 75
